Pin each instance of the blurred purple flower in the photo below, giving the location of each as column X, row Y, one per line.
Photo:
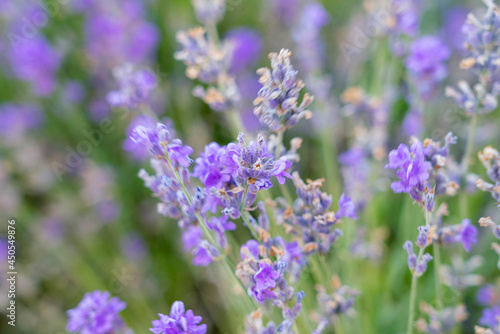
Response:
column 97, row 313
column 427, row 64
column 134, row 86
column 491, row 317
column 246, row 48
column 17, row 119
column 347, row 208
column 137, row 151
column 36, row 62
column 454, row 19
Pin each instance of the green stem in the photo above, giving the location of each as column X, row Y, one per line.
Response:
column 470, row 145
column 414, row 281
column 437, row 265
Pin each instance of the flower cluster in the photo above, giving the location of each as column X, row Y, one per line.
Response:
column 266, row 279
column 420, row 169
column 179, row 321
column 310, row 217
column 277, row 102
column 97, row 313
column 417, row 264
column 482, row 43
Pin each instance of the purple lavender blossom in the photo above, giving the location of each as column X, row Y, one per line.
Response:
column 97, row 313
column 427, row 64
column 36, row 62
column 277, row 103
column 134, row 87
column 209, row 169
column 162, row 145
column 265, row 281
column 179, row 321
column 219, row 225
column 246, row 47
column 253, row 165
column 136, row 150
column 412, row 169
column 251, row 247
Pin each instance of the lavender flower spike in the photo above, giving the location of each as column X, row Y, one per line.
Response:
column 97, row 313
column 277, row 102
column 179, row 321
column 135, row 86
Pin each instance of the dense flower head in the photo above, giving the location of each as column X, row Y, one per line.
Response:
column 310, row 217
column 412, row 169
column 179, row 321
column 277, row 102
column 134, row 86
column 97, row 313
column 421, row 170
column 427, row 63
column 252, row 165
column 267, row 279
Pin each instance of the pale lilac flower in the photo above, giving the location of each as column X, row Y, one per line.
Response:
column 134, row 86
column 277, row 103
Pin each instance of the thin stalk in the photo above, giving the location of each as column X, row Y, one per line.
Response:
column 413, row 295
column 437, row 265
column 470, row 144
column 414, row 281
column 283, row 188
column 464, row 166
